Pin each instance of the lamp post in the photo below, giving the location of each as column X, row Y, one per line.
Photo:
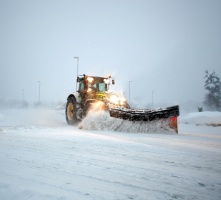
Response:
column 39, row 91
column 77, row 69
column 22, row 104
column 152, row 98
column 129, row 90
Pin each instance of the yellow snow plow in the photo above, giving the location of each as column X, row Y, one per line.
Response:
column 92, row 89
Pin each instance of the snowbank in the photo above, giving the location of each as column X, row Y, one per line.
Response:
column 32, row 117
column 202, row 118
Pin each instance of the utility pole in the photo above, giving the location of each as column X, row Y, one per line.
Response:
column 129, row 90
column 77, row 70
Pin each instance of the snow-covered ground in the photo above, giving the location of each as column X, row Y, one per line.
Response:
column 41, row 157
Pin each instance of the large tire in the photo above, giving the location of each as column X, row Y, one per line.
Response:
column 70, row 111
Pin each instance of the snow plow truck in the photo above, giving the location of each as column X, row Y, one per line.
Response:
column 93, row 89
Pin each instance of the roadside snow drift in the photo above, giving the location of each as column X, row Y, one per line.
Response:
column 202, row 118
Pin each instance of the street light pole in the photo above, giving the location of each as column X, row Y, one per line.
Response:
column 129, row 90
column 39, row 91
column 152, row 98
column 22, row 98
column 77, row 69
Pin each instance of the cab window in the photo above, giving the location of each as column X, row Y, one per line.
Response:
column 81, row 86
column 102, row 87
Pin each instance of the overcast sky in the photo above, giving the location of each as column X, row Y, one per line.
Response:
column 163, row 46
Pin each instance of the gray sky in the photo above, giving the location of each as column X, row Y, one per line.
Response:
column 162, row 46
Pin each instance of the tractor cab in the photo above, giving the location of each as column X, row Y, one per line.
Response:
column 91, row 84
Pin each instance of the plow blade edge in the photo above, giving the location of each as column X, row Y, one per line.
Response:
column 168, row 114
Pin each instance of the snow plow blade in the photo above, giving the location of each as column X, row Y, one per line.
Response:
column 168, row 114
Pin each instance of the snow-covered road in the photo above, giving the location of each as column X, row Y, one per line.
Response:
column 43, row 158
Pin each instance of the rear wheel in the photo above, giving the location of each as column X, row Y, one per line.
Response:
column 71, row 111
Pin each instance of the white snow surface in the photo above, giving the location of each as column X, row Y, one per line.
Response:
column 41, row 157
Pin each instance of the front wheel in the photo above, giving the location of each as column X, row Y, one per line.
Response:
column 71, row 111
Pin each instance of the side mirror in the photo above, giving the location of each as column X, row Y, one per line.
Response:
column 113, row 81
column 78, row 79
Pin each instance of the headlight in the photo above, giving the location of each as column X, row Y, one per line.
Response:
column 114, row 99
column 89, row 90
column 117, row 100
column 106, row 81
column 122, row 100
column 90, row 79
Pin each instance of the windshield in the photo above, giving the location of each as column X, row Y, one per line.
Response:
column 101, row 87
column 98, row 83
